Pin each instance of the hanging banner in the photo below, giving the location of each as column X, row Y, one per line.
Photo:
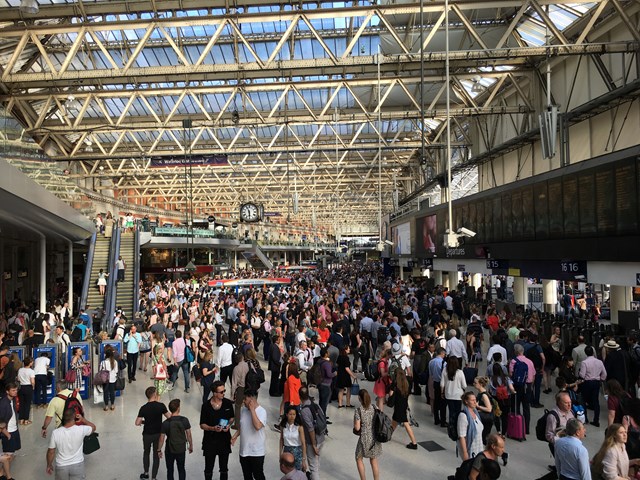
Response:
column 193, row 160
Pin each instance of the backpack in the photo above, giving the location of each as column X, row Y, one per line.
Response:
column 315, row 376
column 76, row 334
column 177, row 438
column 502, row 392
column 197, row 372
column 520, row 372
column 393, row 368
column 254, row 378
column 383, row 334
column 464, row 470
column 236, row 356
column 319, row 418
column 188, row 354
column 382, row 427
column 534, row 355
column 635, row 354
column 72, row 402
column 371, row 372
column 541, row 424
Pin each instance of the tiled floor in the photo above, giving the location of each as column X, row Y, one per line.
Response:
column 121, row 441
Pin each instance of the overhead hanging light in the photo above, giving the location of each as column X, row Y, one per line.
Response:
column 30, row 7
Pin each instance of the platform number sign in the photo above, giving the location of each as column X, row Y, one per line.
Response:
column 569, row 267
column 573, row 268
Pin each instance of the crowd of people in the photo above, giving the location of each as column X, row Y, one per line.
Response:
column 316, row 338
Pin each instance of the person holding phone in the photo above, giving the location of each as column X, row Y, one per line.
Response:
column 216, row 417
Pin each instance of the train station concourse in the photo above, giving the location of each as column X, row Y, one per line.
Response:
column 331, row 162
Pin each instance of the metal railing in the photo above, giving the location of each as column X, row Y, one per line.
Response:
column 87, row 273
column 110, row 297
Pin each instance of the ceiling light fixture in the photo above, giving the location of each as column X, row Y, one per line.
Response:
column 29, row 7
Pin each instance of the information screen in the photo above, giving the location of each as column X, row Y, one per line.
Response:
column 541, row 207
column 516, row 214
column 605, row 201
column 570, row 209
column 507, row 222
column 555, row 207
column 626, row 198
column 528, row 219
column 587, row 203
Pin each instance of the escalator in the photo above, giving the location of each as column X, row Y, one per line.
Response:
column 125, row 290
column 256, row 257
column 97, row 259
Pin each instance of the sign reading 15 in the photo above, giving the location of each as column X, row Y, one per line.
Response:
column 570, row 267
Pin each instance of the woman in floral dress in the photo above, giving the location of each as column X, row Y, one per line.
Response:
column 158, row 358
column 367, row 446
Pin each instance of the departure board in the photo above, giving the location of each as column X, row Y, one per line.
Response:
column 626, row 198
column 473, row 218
column 516, row 214
column 488, row 220
column 570, row 208
column 465, row 216
column 480, row 219
column 497, row 219
column 605, row 200
column 554, row 188
column 507, row 222
column 541, row 209
column 528, row 220
column 587, row 203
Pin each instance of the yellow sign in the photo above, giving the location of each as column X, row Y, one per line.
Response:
column 514, row 272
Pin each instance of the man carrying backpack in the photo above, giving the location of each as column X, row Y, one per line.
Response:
column 471, row 469
column 557, row 419
column 522, row 372
column 65, row 446
column 314, row 424
column 58, row 405
column 177, row 432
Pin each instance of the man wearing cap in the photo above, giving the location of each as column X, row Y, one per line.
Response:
column 620, row 366
column 592, row 371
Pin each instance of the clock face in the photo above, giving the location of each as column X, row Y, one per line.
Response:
column 249, row 212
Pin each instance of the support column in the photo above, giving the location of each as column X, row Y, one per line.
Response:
column 43, row 274
column 285, row 258
column 235, row 259
column 437, row 276
column 300, row 262
column 454, row 278
column 70, row 266
column 476, row 280
column 619, row 298
column 520, row 291
column 550, row 295
column 446, row 282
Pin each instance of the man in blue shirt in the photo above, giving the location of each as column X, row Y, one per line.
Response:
column 439, row 405
column 572, row 458
column 132, row 341
column 86, row 319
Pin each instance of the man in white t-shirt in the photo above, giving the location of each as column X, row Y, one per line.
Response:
column 253, row 419
column 65, row 446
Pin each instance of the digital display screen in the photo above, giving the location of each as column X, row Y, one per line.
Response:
column 401, row 238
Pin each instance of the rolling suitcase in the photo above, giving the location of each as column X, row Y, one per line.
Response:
column 515, row 426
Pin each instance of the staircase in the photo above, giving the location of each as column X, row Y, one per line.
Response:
column 256, row 258
column 100, row 261
column 124, row 290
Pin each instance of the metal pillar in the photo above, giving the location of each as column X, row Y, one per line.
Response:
column 43, row 274
column 520, row 291
column 619, row 298
column 70, row 298
column 550, row 295
column 437, row 276
column 476, row 280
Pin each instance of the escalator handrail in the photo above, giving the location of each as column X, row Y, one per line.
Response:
column 136, row 269
column 110, row 297
column 84, row 295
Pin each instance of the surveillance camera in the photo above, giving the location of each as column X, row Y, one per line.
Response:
column 466, row 232
column 388, row 242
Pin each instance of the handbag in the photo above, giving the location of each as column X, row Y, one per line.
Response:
column 70, row 376
column 188, row 354
column 101, row 378
column 86, row 370
column 98, row 395
column 355, row 388
column 120, row 383
column 91, row 444
column 159, row 372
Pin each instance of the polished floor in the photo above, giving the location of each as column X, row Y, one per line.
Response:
column 121, row 454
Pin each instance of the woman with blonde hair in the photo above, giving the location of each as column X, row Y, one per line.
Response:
column 612, row 462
